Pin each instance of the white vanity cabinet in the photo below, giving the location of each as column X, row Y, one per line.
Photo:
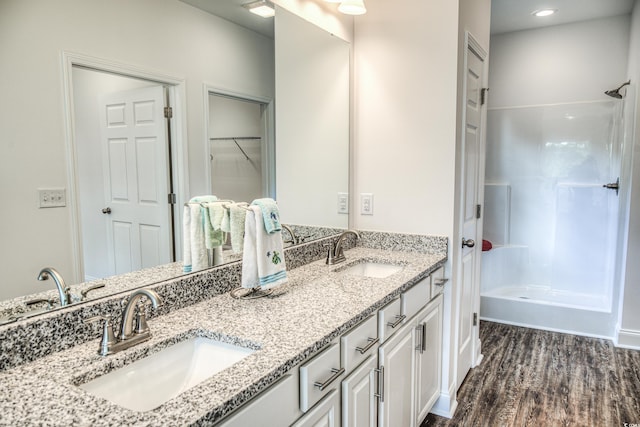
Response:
column 325, row 414
column 396, row 363
column 385, row 372
column 359, row 395
column 428, row 357
column 410, row 362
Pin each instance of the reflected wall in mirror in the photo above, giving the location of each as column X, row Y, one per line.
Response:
column 43, row 148
column 312, row 92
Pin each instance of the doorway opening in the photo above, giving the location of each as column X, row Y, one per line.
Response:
column 125, row 180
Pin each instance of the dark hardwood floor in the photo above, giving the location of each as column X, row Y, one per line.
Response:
column 537, row 378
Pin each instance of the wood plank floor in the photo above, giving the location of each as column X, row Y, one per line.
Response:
column 531, row 377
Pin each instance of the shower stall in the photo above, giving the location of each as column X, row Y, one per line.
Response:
column 551, row 214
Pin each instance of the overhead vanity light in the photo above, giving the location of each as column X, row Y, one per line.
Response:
column 262, row 8
column 544, row 12
column 352, row 7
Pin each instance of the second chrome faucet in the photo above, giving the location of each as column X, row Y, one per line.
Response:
column 336, row 253
column 133, row 327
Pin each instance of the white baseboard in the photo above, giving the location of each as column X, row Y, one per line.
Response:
column 627, row 338
column 446, row 404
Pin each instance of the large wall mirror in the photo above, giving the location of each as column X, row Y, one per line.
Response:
column 178, row 54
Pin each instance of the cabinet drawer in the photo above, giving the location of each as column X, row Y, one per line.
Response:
column 359, row 343
column 416, row 298
column 389, row 319
column 437, row 282
column 275, row 407
column 319, row 376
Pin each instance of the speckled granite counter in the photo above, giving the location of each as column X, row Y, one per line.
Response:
column 302, row 317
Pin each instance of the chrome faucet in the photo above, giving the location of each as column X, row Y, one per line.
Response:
column 127, row 331
column 130, row 333
column 336, row 254
column 294, row 239
column 63, row 289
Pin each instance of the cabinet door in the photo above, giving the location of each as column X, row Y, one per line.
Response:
column 428, row 338
column 396, row 360
column 325, row 414
column 359, row 401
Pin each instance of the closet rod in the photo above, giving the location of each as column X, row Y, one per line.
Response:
column 230, row 138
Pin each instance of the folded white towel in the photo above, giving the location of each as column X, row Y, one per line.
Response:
column 263, row 262
column 195, row 256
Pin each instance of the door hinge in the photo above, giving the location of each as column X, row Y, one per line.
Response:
column 172, row 198
column 475, row 319
column 168, row 112
column 483, row 95
column 478, row 211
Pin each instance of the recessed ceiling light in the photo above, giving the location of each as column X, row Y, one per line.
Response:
column 262, row 8
column 544, row 12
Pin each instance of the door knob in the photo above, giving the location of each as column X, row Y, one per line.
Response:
column 613, row 186
column 468, row 243
column 106, row 210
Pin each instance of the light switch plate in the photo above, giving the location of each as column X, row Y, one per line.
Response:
column 52, row 197
column 366, row 204
column 343, row 203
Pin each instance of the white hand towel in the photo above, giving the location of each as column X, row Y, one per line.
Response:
column 195, row 252
column 263, row 262
column 237, row 217
column 213, row 213
column 195, row 256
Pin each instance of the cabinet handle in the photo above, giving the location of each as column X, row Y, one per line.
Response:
column 380, row 394
column 372, row 342
column 418, row 330
column 397, row 322
column 424, row 338
column 336, row 374
column 440, row 282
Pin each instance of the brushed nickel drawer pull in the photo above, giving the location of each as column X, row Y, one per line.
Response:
column 440, row 282
column 380, row 394
column 372, row 342
column 336, row 374
column 400, row 318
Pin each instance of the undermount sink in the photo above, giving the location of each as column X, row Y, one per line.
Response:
column 371, row 269
column 155, row 379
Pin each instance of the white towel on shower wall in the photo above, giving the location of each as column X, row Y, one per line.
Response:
column 497, row 214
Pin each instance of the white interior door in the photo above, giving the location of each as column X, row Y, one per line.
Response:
column 136, row 179
column 471, row 242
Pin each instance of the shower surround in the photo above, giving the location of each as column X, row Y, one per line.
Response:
column 551, row 222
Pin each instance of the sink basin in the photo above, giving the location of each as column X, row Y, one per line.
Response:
column 149, row 382
column 371, row 269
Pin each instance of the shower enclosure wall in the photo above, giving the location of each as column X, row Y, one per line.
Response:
column 552, row 223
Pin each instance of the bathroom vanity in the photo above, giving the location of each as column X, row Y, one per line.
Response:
column 330, row 344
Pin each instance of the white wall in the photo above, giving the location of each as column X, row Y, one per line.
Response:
column 321, row 14
column 405, row 115
column 563, row 63
column 629, row 333
column 165, row 36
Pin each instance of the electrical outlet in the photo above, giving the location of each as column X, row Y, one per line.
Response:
column 366, row 204
column 52, row 197
column 343, row 203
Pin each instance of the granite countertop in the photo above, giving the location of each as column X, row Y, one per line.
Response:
column 299, row 319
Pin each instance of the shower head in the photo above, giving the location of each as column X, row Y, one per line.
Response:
column 615, row 93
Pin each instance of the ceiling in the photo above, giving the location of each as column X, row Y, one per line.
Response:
column 515, row 15
column 232, row 10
